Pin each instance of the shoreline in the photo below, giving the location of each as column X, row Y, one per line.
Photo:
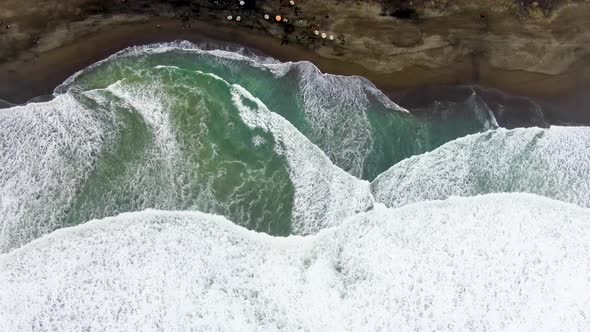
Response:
column 37, row 72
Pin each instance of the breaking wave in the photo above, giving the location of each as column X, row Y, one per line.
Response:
column 494, row 262
column 177, row 186
column 178, row 127
column 552, row 162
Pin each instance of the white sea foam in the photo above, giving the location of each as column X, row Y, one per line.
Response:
column 324, row 194
column 49, row 150
column 165, row 174
column 46, row 152
column 153, row 107
column 552, row 162
column 335, row 106
column 229, row 53
column 494, row 262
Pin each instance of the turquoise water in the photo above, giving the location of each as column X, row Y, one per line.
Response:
column 357, row 127
column 170, row 187
column 191, row 152
column 166, row 127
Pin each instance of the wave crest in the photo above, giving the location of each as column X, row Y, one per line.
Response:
column 552, row 162
column 491, row 262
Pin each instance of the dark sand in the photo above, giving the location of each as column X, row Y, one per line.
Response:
column 23, row 79
column 36, row 74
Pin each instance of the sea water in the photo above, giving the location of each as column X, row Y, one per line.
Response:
column 172, row 161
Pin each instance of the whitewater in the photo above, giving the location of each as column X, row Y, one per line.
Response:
column 192, row 187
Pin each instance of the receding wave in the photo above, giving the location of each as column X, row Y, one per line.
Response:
column 137, row 144
column 491, row 262
column 552, row 162
column 354, row 123
column 271, row 222
column 275, row 147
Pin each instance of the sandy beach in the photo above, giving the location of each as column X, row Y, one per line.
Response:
column 36, row 70
column 294, row 165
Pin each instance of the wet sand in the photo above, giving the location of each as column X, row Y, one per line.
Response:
column 37, row 73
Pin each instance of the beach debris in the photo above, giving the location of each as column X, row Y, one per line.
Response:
column 324, row 35
column 158, row 26
column 238, row 18
column 278, row 18
column 285, row 20
column 229, row 17
column 292, row 3
column 242, row 2
column 266, row 16
column 331, row 37
column 316, row 32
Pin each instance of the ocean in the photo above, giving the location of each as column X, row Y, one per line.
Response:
column 177, row 186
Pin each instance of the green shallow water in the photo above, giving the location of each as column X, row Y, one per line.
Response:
column 160, row 127
column 180, row 144
column 281, row 149
column 357, row 127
